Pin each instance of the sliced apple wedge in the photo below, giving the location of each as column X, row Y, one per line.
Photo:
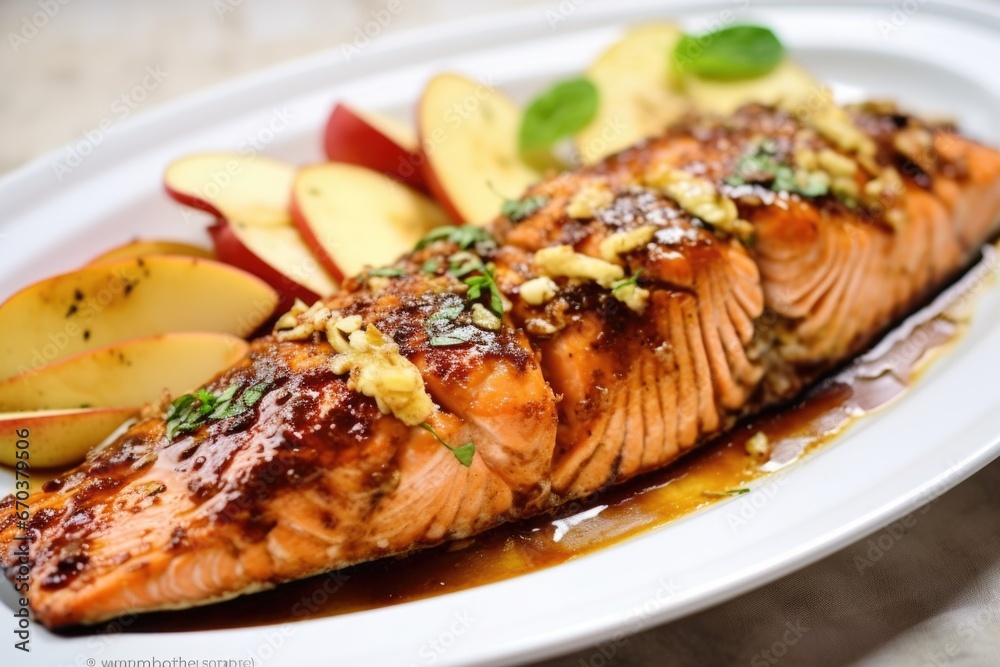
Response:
column 276, row 254
column 130, row 373
column 788, row 85
column 370, row 140
column 352, row 217
column 637, row 86
column 137, row 248
column 255, row 230
column 100, row 305
column 468, row 132
column 254, row 190
column 55, row 438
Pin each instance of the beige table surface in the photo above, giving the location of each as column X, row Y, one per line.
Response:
column 931, row 598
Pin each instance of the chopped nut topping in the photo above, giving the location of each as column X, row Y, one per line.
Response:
column 300, row 322
column 483, row 318
column 758, row 445
column 537, row 291
column 624, row 242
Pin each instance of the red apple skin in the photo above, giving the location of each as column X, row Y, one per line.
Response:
column 192, row 201
column 229, row 249
column 350, row 138
column 313, row 242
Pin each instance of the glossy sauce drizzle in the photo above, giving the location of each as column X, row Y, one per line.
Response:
column 693, row 483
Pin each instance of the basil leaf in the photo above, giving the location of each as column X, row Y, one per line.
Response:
column 732, row 53
column 558, row 113
column 456, row 337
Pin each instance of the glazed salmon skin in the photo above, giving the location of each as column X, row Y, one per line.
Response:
column 629, row 312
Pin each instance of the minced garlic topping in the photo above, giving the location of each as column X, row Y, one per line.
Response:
column 588, row 200
column 623, row 242
column 377, row 368
column 537, row 291
column 836, row 164
column 561, row 260
column 633, row 296
column 699, row 197
column 758, row 445
column 835, row 124
column 301, row 322
column 379, row 371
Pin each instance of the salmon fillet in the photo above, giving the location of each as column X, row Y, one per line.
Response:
column 648, row 303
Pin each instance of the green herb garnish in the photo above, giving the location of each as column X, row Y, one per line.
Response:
column 431, row 265
column 463, row 262
column 761, row 166
column 625, row 282
column 485, row 283
column 726, row 493
column 519, row 209
column 464, row 236
column 188, row 412
column 464, row 453
column 735, row 52
column 438, row 338
column 386, row 272
column 558, row 113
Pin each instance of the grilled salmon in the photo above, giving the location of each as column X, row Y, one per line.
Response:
column 618, row 317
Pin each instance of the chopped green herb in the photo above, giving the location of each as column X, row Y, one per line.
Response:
column 387, row 272
column 456, row 337
column 463, row 262
column 558, row 113
column 624, row 282
column 485, row 283
column 726, row 493
column 188, row 412
column 431, row 265
column 734, row 52
column 464, row 453
column 762, row 167
column 519, row 209
column 438, row 338
column 464, row 236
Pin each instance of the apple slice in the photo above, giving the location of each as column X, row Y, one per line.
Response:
column 100, row 305
column 256, row 234
column 788, row 85
column 277, row 255
column 352, row 217
column 637, row 86
column 468, row 131
column 254, row 190
column 54, row 438
column 138, row 248
column 370, row 140
column 131, row 373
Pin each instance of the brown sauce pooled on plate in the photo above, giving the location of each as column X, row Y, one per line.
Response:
column 718, row 471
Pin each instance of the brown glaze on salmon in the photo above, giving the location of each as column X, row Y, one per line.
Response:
column 567, row 395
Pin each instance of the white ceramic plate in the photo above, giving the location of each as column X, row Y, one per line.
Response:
column 934, row 58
